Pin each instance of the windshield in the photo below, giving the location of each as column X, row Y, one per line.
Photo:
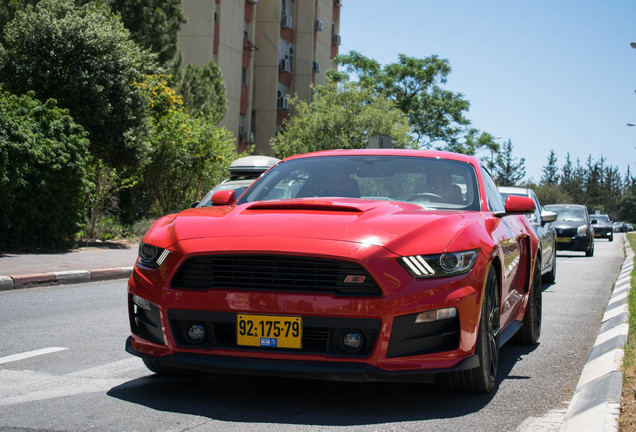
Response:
column 602, row 219
column 569, row 214
column 430, row 182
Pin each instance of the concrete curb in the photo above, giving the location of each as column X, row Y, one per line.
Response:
column 8, row 283
column 596, row 403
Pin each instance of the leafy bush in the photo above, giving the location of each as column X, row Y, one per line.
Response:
column 43, row 154
column 187, row 154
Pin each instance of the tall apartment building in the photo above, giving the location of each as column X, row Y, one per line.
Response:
column 266, row 50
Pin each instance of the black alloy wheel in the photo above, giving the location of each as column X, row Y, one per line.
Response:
column 482, row 378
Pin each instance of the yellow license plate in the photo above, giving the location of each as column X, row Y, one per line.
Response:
column 564, row 239
column 271, row 331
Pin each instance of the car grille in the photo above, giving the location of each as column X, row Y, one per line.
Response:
column 275, row 273
column 566, row 232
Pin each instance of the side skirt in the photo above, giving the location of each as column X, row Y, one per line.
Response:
column 508, row 332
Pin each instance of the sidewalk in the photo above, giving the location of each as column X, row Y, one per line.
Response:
column 84, row 264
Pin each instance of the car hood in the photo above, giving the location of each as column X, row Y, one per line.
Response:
column 396, row 226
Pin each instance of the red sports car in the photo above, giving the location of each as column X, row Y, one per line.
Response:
column 345, row 265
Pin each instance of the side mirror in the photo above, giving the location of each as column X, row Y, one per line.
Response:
column 548, row 216
column 519, row 205
column 194, row 204
column 224, row 197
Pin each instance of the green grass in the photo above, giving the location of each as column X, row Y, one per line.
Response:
column 630, row 347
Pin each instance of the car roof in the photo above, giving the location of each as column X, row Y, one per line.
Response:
column 392, row 152
column 567, row 206
column 514, row 190
column 256, row 164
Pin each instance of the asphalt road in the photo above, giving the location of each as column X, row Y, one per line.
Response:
column 63, row 368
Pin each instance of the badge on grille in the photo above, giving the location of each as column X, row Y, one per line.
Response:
column 355, row 279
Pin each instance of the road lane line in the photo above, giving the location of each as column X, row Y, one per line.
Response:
column 24, row 386
column 29, row 354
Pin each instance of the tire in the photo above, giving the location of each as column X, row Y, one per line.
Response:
column 611, row 237
column 482, row 379
column 550, row 276
column 590, row 250
column 530, row 330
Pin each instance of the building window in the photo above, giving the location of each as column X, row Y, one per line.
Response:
column 246, row 35
column 286, row 13
column 286, row 55
column 243, row 76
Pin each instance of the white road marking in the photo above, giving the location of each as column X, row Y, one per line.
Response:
column 22, row 386
column 29, row 354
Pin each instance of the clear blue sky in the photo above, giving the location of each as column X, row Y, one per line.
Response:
column 546, row 74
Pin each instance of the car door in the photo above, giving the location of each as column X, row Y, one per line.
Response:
column 544, row 232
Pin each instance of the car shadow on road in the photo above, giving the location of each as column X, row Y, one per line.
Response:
column 309, row 402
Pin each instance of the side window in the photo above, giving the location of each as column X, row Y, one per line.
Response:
column 495, row 201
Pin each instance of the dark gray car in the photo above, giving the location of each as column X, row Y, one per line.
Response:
column 603, row 227
column 574, row 228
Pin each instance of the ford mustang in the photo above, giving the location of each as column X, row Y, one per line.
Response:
column 401, row 265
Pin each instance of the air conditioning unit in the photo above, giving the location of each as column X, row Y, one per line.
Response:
column 286, row 21
column 336, row 39
column 248, row 136
column 318, row 25
column 253, row 1
column 316, row 67
column 337, row 2
column 285, row 65
column 283, row 103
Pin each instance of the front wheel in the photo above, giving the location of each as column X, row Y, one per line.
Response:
column 550, row 276
column 482, row 379
column 590, row 250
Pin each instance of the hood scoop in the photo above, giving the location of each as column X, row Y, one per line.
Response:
column 335, row 205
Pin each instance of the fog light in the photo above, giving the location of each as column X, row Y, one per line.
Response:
column 196, row 333
column 352, row 341
column 436, row 315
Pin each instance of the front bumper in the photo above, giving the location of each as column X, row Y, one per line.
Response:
column 331, row 371
column 573, row 243
column 603, row 232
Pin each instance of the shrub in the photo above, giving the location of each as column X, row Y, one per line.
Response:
column 43, row 154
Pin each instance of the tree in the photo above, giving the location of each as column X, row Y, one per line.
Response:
column 550, row 171
column 153, row 24
column 202, row 90
column 82, row 57
column 341, row 115
column 8, row 9
column 508, row 171
column 433, row 113
column 43, row 156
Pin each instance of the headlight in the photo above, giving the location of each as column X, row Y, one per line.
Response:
column 151, row 256
column 442, row 265
column 582, row 230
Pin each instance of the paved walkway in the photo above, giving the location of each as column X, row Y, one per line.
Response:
column 78, row 265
